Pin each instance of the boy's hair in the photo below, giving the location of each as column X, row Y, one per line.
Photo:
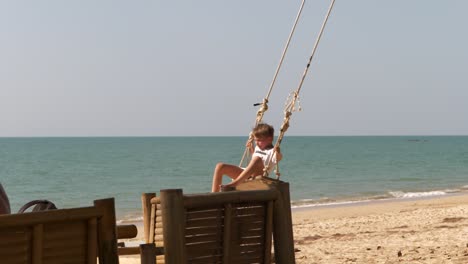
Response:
column 263, row 130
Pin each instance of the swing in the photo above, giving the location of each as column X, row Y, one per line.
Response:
column 292, row 101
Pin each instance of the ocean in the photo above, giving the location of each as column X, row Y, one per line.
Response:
column 321, row 170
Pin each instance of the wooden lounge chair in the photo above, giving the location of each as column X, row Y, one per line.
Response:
column 76, row 235
column 227, row 227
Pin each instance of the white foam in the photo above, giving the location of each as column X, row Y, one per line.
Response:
column 130, row 219
column 337, row 203
column 400, row 194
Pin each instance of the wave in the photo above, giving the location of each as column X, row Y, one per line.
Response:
column 391, row 195
column 129, row 219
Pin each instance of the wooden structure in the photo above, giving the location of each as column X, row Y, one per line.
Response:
column 126, row 232
column 227, row 227
column 76, row 235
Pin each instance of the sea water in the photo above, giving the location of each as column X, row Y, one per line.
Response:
column 321, row 170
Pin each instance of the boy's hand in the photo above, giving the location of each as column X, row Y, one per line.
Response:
column 278, row 154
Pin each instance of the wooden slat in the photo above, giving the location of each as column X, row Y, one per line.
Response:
column 250, row 219
column 203, row 230
column 160, row 259
column 15, row 260
column 158, row 231
column 253, row 232
column 245, row 260
column 15, row 245
column 77, row 255
column 208, row 213
column 12, row 243
column 254, row 210
column 62, row 231
column 246, row 228
column 204, row 249
column 203, row 238
column 206, row 259
column 92, row 240
column 159, row 243
column 207, row 222
column 70, row 242
column 158, row 238
column 259, row 240
column 14, row 250
column 248, row 252
column 158, row 222
column 251, row 249
column 37, row 244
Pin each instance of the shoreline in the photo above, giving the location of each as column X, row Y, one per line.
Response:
column 364, row 202
column 135, row 217
column 417, row 230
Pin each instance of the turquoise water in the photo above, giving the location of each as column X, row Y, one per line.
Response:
column 321, row 170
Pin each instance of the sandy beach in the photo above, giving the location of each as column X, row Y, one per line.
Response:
column 431, row 230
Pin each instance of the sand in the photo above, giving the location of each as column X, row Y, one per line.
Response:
column 413, row 231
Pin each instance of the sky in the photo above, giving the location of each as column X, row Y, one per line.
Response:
column 195, row 68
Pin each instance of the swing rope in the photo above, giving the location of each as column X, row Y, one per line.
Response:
column 293, row 99
column 264, row 105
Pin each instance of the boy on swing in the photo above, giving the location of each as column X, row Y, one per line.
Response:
column 264, row 155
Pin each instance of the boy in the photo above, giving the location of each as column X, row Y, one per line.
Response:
column 263, row 155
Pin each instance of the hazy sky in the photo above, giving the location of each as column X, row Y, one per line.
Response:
column 162, row 68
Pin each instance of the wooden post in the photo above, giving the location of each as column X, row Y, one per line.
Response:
column 107, row 235
column 173, row 216
column 148, row 253
column 146, row 206
column 282, row 226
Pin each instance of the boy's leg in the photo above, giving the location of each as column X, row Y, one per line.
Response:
column 254, row 168
column 232, row 171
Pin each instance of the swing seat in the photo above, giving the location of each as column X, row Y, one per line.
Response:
column 258, row 183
